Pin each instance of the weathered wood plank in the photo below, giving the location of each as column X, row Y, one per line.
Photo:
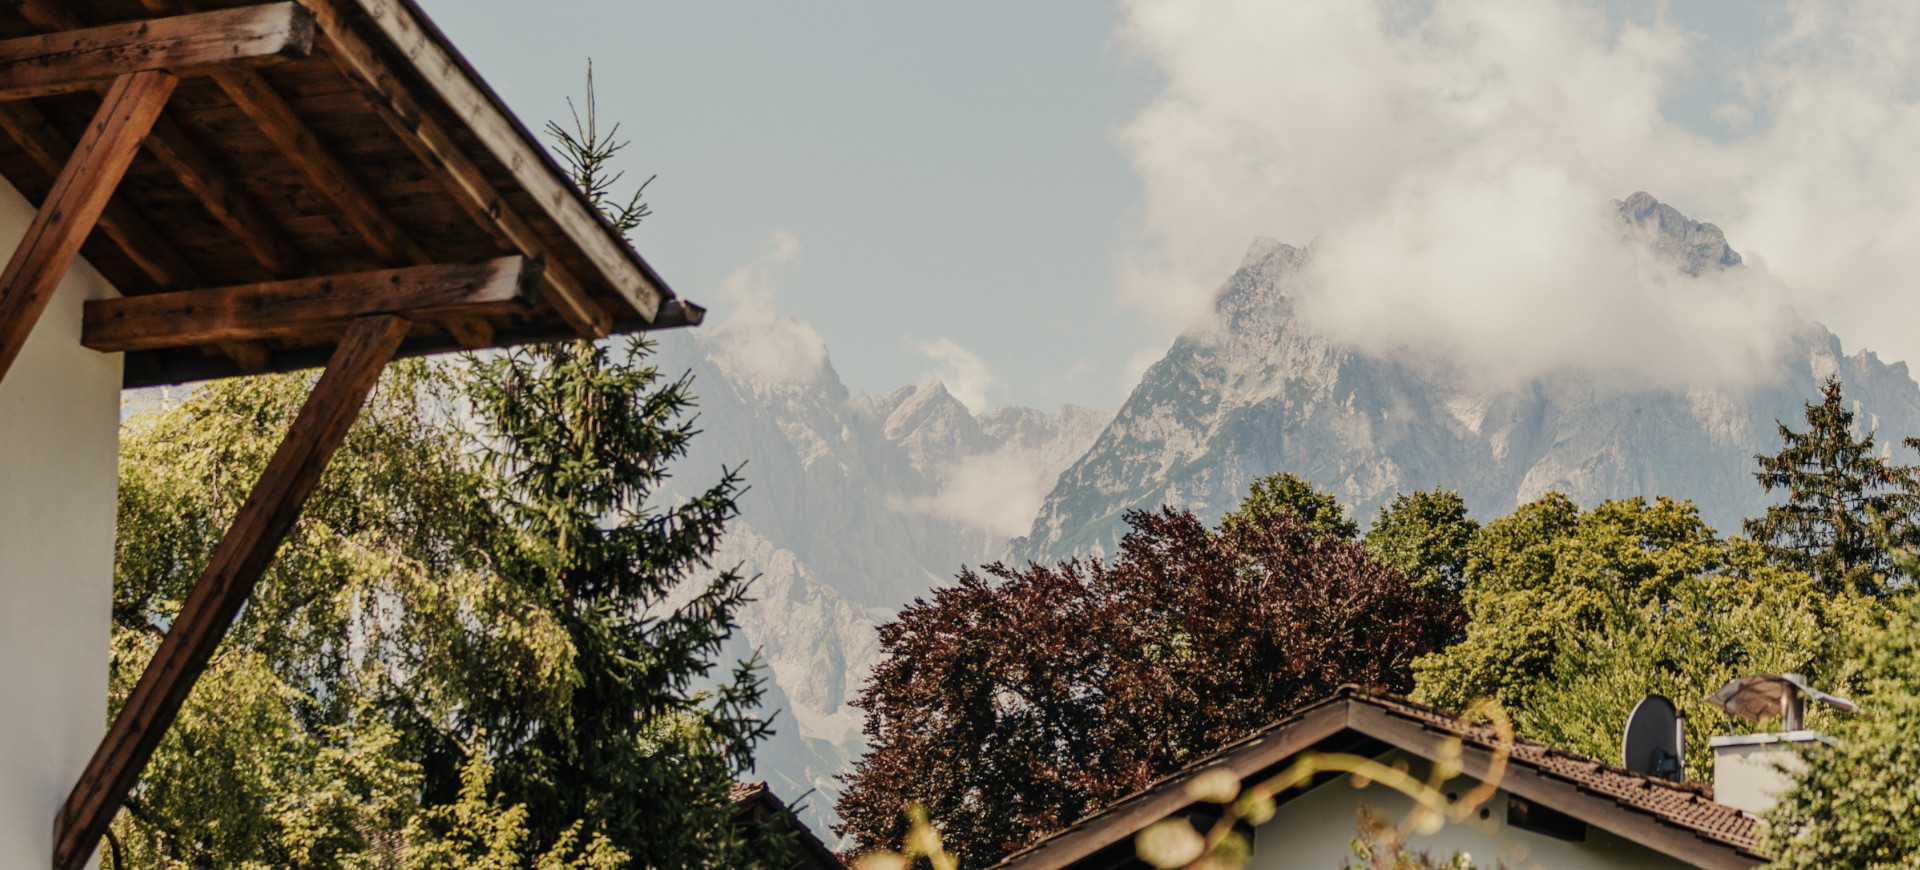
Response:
column 159, row 260
column 76, row 60
column 229, row 205
column 243, row 555
column 232, row 207
column 286, row 309
column 330, row 178
column 508, row 143
column 73, row 207
column 461, row 176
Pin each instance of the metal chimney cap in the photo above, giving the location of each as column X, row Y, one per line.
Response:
column 1763, row 696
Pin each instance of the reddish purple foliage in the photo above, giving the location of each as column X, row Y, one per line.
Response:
column 1016, row 702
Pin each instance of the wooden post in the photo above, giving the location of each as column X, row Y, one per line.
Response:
column 74, row 205
column 243, row 555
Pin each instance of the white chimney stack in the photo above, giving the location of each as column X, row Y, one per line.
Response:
column 1751, row 771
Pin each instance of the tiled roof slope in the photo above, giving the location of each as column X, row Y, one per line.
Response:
column 1688, row 807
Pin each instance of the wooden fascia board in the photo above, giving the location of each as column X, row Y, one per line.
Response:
column 78, row 60
column 1128, row 818
column 514, row 148
column 1520, row 779
column 284, row 309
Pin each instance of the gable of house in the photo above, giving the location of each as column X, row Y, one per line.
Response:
column 1623, row 819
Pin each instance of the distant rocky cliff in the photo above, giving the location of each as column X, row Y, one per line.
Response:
column 857, row 503
column 1255, row 392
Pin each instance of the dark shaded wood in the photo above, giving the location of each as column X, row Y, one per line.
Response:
column 497, row 131
column 330, row 178
column 71, row 210
column 228, row 205
column 136, row 238
column 243, row 555
column 458, row 172
column 306, row 306
column 77, row 60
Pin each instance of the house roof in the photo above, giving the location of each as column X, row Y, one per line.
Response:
column 373, row 145
column 1678, row 820
column 756, row 801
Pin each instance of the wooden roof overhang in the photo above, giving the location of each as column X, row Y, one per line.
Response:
column 275, row 186
column 358, row 141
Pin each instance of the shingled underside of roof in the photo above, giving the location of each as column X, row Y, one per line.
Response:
column 1638, row 807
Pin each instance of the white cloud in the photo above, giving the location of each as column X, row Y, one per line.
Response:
column 1455, row 166
column 999, row 492
column 755, row 339
column 962, row 371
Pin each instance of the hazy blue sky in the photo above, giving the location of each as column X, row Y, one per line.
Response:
column 948, row 170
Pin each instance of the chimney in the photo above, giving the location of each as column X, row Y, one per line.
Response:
column 1750, row 771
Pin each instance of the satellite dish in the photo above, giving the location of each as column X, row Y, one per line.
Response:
column 1655, row 740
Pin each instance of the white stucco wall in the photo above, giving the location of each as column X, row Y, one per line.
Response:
column 59, row 429
column 1313, row 832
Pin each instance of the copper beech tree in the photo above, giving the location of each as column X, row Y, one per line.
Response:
column 1017, row 701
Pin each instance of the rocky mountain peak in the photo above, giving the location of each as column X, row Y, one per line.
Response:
column 1697, row 246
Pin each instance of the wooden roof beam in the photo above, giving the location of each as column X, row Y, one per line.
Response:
column 73, row 207
column 285, row 309
column 461, row 176
column 232, row 207
column 78, row 60
column 503, row 137
column 235, row 567
column 152, row 254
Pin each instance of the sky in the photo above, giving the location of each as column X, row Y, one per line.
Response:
column 1030, row 199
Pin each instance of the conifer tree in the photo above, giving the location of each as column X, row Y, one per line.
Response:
column 1843, row 501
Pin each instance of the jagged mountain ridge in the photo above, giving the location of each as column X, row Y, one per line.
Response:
column 1256, row 392
column 856, row 504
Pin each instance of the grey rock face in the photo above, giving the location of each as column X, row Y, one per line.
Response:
column 856, row 504
column 1258, row 393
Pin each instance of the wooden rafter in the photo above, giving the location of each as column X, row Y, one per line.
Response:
column 138, row 240
column 457, row 172
column 78, row 60
column 304, row 306
column 73, row 207
column 237, row 564
column 232, row 207
column 501, row 136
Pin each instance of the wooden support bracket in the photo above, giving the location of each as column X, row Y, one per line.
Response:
column 74, row 205
column 243, row 555
column 77, row 60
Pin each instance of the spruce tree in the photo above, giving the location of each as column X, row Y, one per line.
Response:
column 1843, row 501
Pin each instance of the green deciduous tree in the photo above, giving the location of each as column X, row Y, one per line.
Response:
column 1426, row 536
column 1855, row 803
column 1320, row 511
column 1577, row 615
column 1842, row 501
column 481, row 646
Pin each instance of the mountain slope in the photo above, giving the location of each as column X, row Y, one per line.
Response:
column 856, row 504
column 1257, row 392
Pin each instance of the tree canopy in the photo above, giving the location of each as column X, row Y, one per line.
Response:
column 481, row 643
column 1843, row 501
column 1014, row 701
